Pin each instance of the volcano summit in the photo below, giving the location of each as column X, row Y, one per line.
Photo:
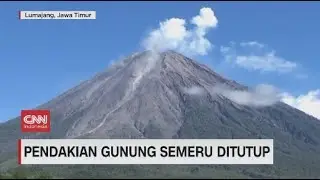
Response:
column 168, row 95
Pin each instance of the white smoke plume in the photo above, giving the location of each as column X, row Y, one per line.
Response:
column 173, row 34
column 121, row 61
column 144, row 67
column 261, row 95
column 116, row 64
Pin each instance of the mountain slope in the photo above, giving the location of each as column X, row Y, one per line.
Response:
column 145, row 96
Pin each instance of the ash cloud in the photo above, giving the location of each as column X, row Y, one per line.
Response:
column 173, row 34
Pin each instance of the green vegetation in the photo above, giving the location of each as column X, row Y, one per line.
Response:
column 22, row 172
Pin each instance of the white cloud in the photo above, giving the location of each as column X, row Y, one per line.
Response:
column 252, row 43
column 265, row 95
column 224, row 49
column 308, row 103
column 267, row 62
column 194, row 90
column 170, row 34
column 261, row 59
column 261, row 95
column 173, row 34
column 205, row 19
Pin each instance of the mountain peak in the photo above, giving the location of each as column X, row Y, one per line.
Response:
column 168, row 95
column 170, row 52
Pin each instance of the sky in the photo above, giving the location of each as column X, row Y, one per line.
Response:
column 254, row 43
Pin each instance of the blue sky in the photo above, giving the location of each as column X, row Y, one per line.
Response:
column 39, row 59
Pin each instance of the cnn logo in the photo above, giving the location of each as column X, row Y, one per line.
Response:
column 35, row 121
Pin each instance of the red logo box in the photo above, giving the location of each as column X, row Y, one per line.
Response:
column 35, row 121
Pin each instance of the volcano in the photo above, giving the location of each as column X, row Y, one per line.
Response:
column 168, row 95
